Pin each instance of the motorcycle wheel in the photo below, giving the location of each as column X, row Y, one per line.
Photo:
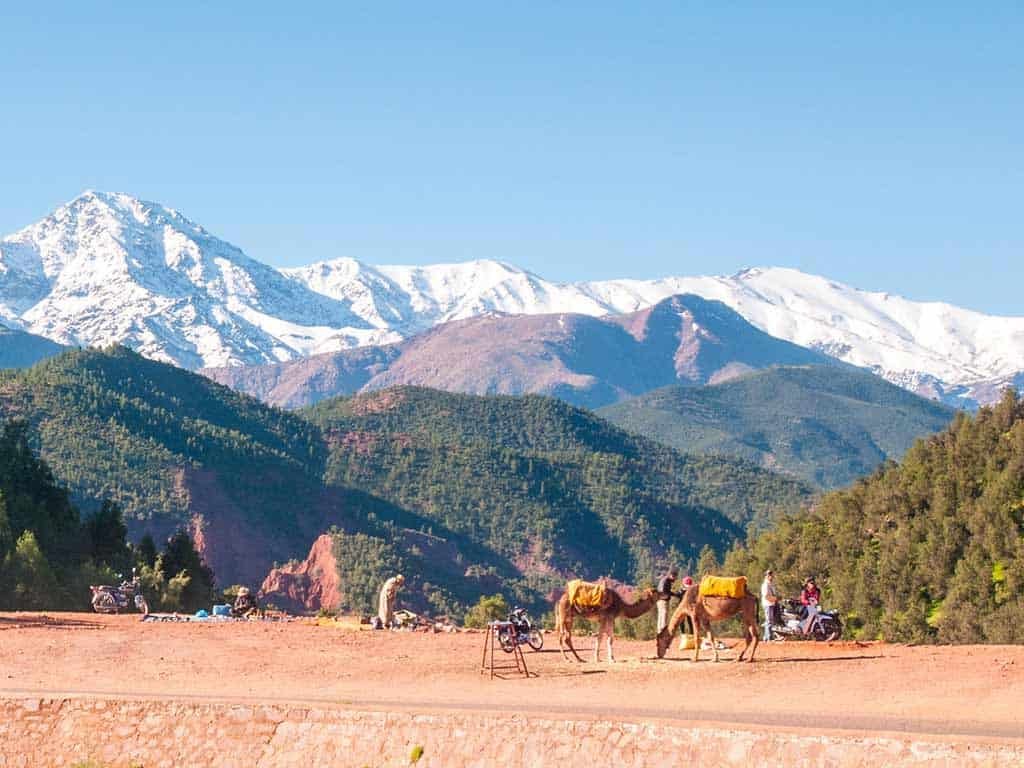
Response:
column 104, row 602
column 507, row 641
column 536, row 639
column 835, row 631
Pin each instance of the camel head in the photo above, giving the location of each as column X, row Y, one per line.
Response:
column 649, row 593
column 664, row 641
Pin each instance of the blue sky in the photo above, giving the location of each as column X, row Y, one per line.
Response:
column 881, row 147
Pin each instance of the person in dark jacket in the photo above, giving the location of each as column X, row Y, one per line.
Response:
column 665, row 594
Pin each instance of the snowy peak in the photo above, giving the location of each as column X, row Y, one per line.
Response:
column 108, row 267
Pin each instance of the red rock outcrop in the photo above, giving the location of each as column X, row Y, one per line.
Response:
column 308, row 585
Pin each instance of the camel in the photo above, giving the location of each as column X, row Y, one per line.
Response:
column 614, row 605
column 703, row 611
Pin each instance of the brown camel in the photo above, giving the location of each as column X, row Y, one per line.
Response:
column 703, row 612
column 613, row 606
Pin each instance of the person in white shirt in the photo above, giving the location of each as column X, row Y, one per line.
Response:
column 770, row 603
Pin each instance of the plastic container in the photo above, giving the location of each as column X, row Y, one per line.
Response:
column 222, row 610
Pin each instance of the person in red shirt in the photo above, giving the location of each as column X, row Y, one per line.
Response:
column 810, row 596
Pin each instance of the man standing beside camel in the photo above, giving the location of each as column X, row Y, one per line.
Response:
column 665, row 594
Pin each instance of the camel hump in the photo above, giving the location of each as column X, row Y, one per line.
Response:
column 723, row 586
column 586, row 594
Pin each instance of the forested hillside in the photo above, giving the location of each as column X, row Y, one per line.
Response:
column 466, row 494
column 825, row 425
column 927, row 550
column 549, row 486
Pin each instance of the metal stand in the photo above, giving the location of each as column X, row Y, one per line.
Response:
column 516, row 665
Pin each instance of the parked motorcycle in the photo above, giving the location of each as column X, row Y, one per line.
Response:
column 521, row 632
column 110, row 599
column 824, row 626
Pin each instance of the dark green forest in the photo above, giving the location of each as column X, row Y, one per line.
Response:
column 927, row 550
column 544, row 484
column 465, row 493
column 49, row 554
column 828, row 425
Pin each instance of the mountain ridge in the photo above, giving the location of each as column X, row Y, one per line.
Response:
column 827, row 426
column 584, row 360
column 109, row 268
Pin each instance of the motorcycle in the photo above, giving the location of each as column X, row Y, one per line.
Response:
column 110, row 599
column 824, row 626
column 519, row 631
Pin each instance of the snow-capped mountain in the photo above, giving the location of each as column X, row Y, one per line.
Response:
column 110, row 268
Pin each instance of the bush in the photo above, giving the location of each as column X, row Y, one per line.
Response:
column 488, row 608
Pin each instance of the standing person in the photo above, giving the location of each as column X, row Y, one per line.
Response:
column 665, row 593
column 386, row 603
column 770, row 603
column 810, row 596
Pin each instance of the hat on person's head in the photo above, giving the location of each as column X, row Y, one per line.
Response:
column 687, row 581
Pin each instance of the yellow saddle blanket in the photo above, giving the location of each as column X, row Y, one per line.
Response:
column 586, row 594
column 723, row 586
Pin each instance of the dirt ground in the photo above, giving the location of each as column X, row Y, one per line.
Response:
column 967, row 690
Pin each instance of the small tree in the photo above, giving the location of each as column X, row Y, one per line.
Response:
column 488, row 608
column 707, row 562
column 26, row 577
column 106, row 536
column 145, row 551
column 184, row 569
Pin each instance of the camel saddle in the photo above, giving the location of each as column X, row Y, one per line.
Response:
column 723, row 586
column 586, row 594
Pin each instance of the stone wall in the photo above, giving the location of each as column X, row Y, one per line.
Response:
column 38, row 733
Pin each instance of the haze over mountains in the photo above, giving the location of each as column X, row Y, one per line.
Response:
column 110, row 268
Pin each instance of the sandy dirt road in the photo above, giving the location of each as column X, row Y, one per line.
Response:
column 975, row 691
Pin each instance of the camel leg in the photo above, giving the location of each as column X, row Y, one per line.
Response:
column 597, row 640
column 609, row 633
column 755, row 636
column 695, row 622
column 565, row 636
column 746, row 641
column 712, row 639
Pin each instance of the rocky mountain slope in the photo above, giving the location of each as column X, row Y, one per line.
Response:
column 586, row 361
column 464, row 494
column 110, row 268
column 828, row 426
